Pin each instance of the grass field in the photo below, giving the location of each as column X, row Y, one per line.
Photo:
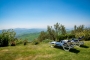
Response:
column 43, row 51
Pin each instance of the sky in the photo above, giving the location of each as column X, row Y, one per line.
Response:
column 41, row 13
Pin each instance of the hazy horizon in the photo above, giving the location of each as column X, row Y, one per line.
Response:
column 41, row 13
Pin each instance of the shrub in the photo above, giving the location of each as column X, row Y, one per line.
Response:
column 25, row 42
column 35, row 42
column 6, row 37
column 13, row 43
column 19, row 41
column 46, row 40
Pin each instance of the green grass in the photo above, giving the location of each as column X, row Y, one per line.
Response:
column 43, row 51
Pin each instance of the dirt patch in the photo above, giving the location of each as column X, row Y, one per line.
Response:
column 42, row 56
column 19, row 58
column 25, row 58
column 4, row 50
column 28, row 58
column 45, row 56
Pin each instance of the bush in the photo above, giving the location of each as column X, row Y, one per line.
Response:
column 6, row 36
column 68, row 36
column 86, row 38
column 19, row 42
column 4, row 42
column 25, row 42
column 46, row 40
column 13, row 43
column 61, row 37
column 35, row 42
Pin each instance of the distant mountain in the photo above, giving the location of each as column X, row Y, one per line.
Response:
column 0, row 31
column 25, row 31
column 20, row 31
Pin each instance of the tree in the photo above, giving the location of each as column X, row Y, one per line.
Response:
column 56, row 31
column 81, row 31
column 57, row 28
column 63, row 30
column 7, row 36
column 51, row 33
column 42, row 36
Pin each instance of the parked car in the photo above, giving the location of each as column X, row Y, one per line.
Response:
column 68, row 44
column 78, row 41
column 63, row 43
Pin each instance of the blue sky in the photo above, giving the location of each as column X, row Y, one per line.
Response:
column 40, row 13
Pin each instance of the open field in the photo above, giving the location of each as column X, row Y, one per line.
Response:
column 43, row 51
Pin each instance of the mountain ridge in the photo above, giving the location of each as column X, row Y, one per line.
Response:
column 26, row 31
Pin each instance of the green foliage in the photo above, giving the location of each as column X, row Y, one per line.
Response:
column 55, row 31
column 86, row 33
column 7, row 36
column 61, row 37
column 46, row 40
column 51, row 33
column 67, row 36
column 19, row 41
column 25, row 41
column 43, row 35
column 81, row 31
column 58, row 32
column 35, row 42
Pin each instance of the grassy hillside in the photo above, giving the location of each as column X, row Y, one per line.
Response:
column 30, row 36
column 43, row 51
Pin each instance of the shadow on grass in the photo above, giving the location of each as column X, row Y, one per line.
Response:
column 71, row 50
column 84, row 46
column 74, row 51
column 58, row 47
